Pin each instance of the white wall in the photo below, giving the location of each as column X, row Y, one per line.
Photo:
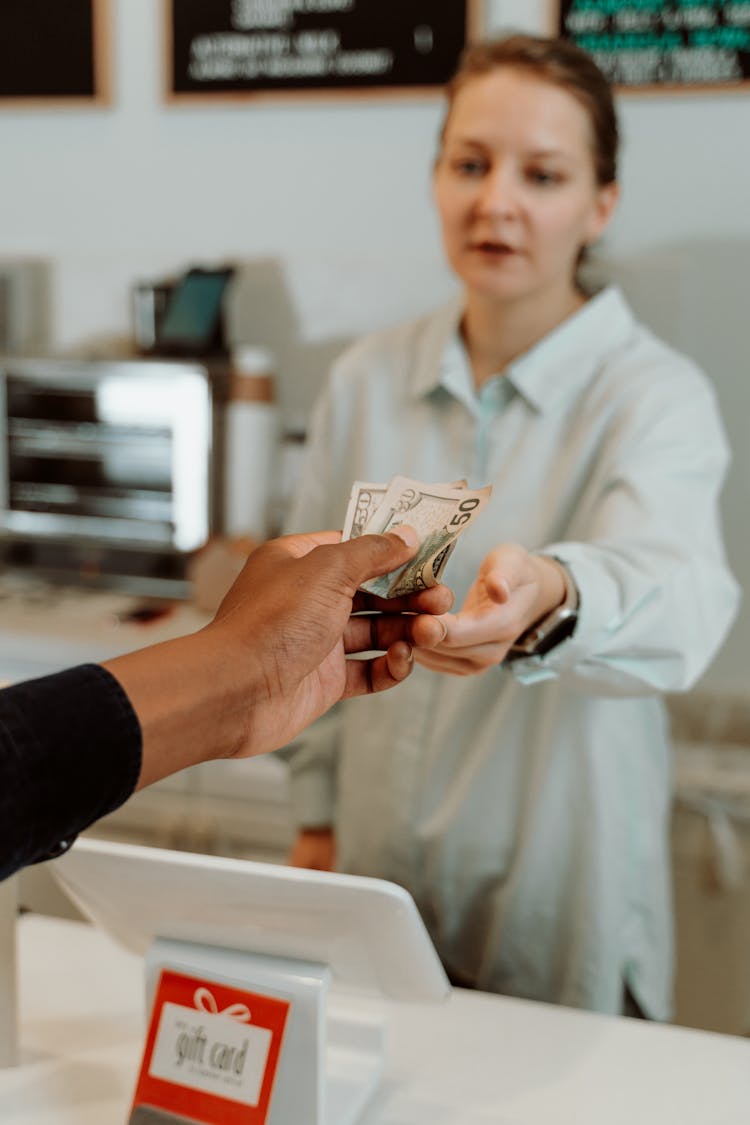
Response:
column 327, row 201
column 145, row 184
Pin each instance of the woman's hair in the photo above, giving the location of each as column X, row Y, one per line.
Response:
column 560, row 63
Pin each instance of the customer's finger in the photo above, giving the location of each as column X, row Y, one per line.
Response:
column 363, row 677
column 376, row 632
column 372, row 555
column 435, row 599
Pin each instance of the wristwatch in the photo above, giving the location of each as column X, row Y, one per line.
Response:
column 556, row 626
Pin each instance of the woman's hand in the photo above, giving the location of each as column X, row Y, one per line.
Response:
column 315, row 849
column 512, row 591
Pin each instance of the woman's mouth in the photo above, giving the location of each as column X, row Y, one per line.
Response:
column 493, row 249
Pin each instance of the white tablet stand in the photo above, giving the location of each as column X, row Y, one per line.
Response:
column 330, row 1064
column 333, row 945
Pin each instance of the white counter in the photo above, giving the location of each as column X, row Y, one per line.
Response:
column 476, row 1060
column 243, row 808
column 44, row 628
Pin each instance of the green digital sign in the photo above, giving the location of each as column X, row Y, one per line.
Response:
column 650, row 43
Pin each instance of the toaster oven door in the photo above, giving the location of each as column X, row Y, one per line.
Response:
column 111, row 453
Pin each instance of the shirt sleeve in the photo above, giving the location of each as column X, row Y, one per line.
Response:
column 656, row 595
column 70, row 752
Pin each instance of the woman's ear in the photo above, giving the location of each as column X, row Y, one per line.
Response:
column 604, row 206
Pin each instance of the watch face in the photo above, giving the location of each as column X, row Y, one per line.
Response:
column 546, row 635
column 557, row 632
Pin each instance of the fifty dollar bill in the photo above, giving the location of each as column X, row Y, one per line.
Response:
column 438, row 513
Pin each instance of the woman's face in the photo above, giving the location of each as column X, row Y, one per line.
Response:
column 515, row 186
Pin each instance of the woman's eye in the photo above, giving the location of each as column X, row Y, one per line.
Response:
column 469, row 166
column 543, row 177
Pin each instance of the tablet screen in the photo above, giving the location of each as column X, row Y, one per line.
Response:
column 193, row 314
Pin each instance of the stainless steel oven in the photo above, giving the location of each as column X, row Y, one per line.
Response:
column 107, row 472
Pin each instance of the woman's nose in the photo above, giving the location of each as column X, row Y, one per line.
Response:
column 498, row 195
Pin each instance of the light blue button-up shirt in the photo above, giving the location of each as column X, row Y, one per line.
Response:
column 526, row 809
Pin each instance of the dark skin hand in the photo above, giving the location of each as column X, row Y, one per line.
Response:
column 275, row 656
column 305, row 669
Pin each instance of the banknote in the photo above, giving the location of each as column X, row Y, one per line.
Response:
column 438, row 513
column 364, row 501
column 366, row 498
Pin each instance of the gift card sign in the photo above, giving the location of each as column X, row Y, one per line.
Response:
column 211, row 1054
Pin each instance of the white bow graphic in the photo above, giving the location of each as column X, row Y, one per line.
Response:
column 206, row 1002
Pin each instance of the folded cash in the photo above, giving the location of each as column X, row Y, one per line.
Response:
column 438, row 513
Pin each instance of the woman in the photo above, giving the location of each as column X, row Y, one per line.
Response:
column 519, row 784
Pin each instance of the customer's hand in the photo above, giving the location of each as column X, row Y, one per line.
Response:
column 275, row 656
column 287, row 626
column 513, row 589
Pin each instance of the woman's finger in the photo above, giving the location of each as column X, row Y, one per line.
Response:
column 464, row 662
column 468, row 629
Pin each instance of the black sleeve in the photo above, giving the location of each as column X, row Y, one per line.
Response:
column 70, row 751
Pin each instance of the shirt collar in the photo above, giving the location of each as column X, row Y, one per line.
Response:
column 560, row 365
column 555, row 368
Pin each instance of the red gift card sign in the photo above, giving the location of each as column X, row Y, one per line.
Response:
column 211, row 1052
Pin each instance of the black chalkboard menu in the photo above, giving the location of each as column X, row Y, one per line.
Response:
column 54, row 50
column 656, row 44
column 241, row 47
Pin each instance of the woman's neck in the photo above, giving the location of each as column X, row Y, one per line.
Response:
column 495, row 333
